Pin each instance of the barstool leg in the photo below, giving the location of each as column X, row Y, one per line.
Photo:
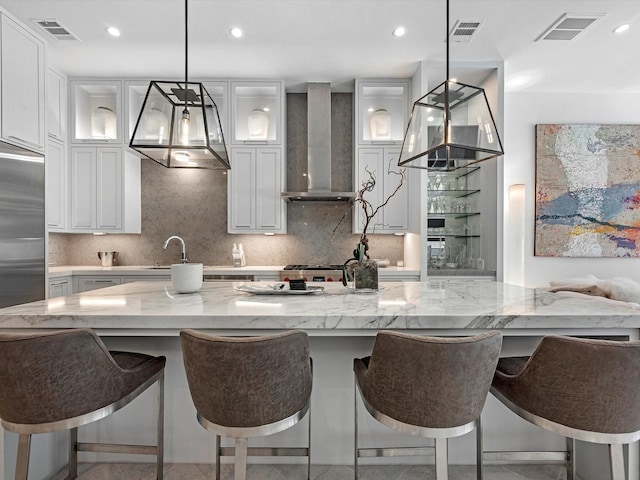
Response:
column 571, row 459
column 22, row 463
column 479, row 449
column 309, row 444
column 617, row 462
column 442, row 459
column 241, row 459
column 73, row 454
column 355, row 429
column 160, row 430
column 217, row 457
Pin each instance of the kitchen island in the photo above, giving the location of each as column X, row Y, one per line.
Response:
column 148, row 316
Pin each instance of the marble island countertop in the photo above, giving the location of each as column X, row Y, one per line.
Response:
column 149, row 270
column 154, row 308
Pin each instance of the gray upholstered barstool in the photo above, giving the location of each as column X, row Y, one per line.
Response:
column 245, row 387
column 428, row 386
column 582, row 389
column 63, row 380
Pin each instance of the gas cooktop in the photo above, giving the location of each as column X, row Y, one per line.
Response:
column 313, row 267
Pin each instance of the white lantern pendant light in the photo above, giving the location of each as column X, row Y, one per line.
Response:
column 194, row 138
column 450, row 127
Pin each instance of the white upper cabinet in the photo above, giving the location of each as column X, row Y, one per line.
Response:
column 381, row 111
column 96, row 111
column 56, row 105
column 254, row 186
column 257, row 112
column 56, row 189
column 22, row 73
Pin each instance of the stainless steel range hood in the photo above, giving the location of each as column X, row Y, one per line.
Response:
column 319, row 149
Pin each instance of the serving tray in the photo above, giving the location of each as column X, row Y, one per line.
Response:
column 270, row 290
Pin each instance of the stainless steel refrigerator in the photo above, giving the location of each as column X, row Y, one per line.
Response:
column 22, row 226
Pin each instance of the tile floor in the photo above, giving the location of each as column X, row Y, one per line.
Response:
column 137, row 471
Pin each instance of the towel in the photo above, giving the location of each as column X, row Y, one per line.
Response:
column 618, row 288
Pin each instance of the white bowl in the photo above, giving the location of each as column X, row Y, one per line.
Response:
column 186, row 277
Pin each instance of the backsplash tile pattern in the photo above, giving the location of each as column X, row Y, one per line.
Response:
column 193, row 205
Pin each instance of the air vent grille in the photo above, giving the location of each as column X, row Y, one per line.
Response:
column 55, row 29
column 464, row 30
column 569, row 26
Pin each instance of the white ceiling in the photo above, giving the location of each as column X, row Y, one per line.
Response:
column 339, row 40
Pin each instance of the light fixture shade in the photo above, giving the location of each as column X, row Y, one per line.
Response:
column 450, row 127
column 160, row 136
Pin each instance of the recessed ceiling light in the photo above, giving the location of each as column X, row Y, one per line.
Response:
column 399, row 31
column 622, row 28
column 113, row 31
column 236, row 32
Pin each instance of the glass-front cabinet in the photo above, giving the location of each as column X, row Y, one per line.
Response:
column 257, row 113
column 96, row 111
column 454, row 226
column 381, row 111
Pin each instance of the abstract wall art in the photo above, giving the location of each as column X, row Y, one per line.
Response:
column 587, row 191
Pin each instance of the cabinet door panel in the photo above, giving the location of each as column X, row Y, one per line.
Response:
column 109, row 188
column 56, row 166
column 242, row 189
column 83, row 188
column 395, row 213
column 371, row 159
column 268, row 188
column 56, row 105
column 22, row 86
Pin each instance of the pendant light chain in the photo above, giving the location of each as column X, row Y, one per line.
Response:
column 447, row 105
column 186, row 46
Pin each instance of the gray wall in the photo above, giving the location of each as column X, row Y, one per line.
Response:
column 193, row 204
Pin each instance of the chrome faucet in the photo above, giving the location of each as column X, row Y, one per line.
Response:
column 184, row 249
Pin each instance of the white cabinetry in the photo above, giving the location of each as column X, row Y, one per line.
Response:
column 104, row 176
column 255, row 182
column 394, row 216
column 56, row 191
column 381, row 108
column 56, row 105
column 257, row 175
column 85, row 284
column 96, row 111
column 102, row 183
column 22, row 73
column 60, row 287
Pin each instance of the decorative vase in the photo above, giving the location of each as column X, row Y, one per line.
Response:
column 363, row 276
column 360, row 273
column 258, row 123
column 103, row 123
column 380, row 124
column 156, row 125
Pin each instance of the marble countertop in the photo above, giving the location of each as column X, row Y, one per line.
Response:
column 148, row 270
column 154, row 308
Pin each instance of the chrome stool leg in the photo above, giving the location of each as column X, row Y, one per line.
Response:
column 160, row 430
column 241, row 459
column 22, row 463
column 441, row 459
column 571, row 459
column 218, row 446
column 355, row 441
column 479, row 449
column 309, row 444
column 73, row 454
column 617, row 462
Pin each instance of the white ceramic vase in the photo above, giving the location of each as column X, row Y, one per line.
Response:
column 103, row 123
column 258, row 123
column 186, row 277
column 380, row 124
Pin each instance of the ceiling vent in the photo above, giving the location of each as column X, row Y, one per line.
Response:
column 464, row 30
column 569, row 26
column 54, row 28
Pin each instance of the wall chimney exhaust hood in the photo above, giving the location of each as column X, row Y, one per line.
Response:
column 319, row 149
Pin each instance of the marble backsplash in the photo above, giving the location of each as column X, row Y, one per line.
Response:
column 193, row 205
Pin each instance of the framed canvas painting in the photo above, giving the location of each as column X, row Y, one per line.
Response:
column 587, row 190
